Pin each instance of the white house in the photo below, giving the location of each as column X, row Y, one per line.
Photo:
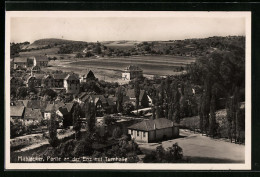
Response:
column 153, row 130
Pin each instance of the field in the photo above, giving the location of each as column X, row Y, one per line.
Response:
column 110, row 68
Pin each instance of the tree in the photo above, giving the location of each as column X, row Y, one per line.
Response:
column 119, row 99
column 137, row 94
column 22, row 92
column 98, row 48
column 53, row 139
column 78, row 55
column 213, row 124
column 76, row 121
column 128, row 107
column 89, row 54
column 90, row 115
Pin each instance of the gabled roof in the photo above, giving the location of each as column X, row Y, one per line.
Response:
column 69, row 106
column 50, row 108
column 41, row 58
column 149, row 125
column 38, row 104
column 71, row 77
column 22, row 103
column 39, row 76
column 32, row 113
column 16, row 111
column 63, row 110
column 20, row 60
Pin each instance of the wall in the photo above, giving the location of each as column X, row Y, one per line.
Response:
column 126, row 76
column 139, row 138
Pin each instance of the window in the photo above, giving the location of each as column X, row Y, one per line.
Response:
column 143, row 134
column 131, row 132
column 137, row 133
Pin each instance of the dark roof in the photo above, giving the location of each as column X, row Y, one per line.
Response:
column 83, row 96
column 72, row 77
column 32, row 113
column 63, row 110
column 59, row 76
column 38, row 104
column 131, row 94
column 20, row 60
column 39, row 76
column 16, row 111
column 148, row 125
column 22, row 103
column 133, row 68
column 50, row 108
column 41, row 58
column 69, row 106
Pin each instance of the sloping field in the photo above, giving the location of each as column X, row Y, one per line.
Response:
column 156, row 65
column 50, row 51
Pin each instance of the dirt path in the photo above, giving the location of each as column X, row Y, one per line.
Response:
column 202, row 149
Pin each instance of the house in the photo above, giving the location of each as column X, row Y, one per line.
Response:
column 41, row 60
column 153, row 130
column 34, row 80
column 59, row 80
column 50, row 108
column 83, row 78
column 132, row 72
column 16, row 112
column 72, row 84
column 48, row 81
column 32, row 116
column 20, row 63
column 36, row 69
column 143, row 98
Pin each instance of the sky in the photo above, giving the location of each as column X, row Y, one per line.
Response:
column 92, row 29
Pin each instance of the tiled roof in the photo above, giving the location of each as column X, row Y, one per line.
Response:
column 20, row 60
column 69, row 106
column 38, row 104
column 148, row 125
column 39, row 76
column 63, row 110
column 59, row 76
column 16, row 111
column 41, row 58
column 71, row 77
column 32, row 113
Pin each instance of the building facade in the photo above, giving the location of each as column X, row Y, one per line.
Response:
column 156, row 130
column 132, row 72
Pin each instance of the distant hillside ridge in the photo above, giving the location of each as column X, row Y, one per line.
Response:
column 55, row 41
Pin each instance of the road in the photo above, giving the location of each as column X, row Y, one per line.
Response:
column 202, row 149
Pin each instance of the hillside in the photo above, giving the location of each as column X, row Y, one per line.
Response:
column 54, row 42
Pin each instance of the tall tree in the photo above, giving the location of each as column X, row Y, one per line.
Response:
column 91, row 115
column 119, row 99
column 137, row 94
column 76, row 121
column 176, row 115
column 213, row 124
column 53, row 139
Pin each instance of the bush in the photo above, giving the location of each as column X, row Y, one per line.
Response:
column 172, row 154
